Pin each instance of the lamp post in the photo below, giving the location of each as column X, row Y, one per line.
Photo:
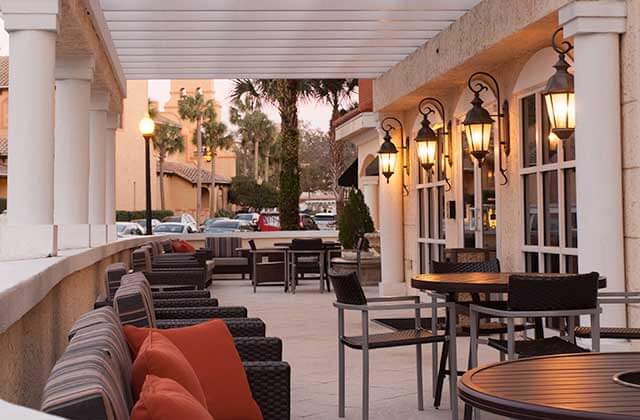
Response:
column 559, row 94
column 147, row 127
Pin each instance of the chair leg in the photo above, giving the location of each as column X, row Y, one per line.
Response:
column 511, row 344
column 441, row 374
column 419, row 377
column 294, row 277
column 365, row 384
column 341, row 381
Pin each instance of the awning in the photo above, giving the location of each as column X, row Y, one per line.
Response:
column 349, row 177
column 372, row 169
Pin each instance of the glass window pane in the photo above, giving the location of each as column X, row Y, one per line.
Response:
column 421, row 211
column 530, row 210
column 441, row 218
column 551, row 217
column 424, row 262
column 529, row 131
column 550, row 142
column 429, row 193
column 571, row 262
column 551, row 263
column 569, row 146
column 489, row 219
column 531, row 262
column 468, row 194
column 571, row 210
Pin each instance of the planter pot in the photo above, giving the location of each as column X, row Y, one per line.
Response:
column 374, row 240
column 350, row 254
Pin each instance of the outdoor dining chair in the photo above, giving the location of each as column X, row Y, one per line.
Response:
column 539, row 296
column 350, row 296
column 608, row 332
column 269, row 265
column 306, row 256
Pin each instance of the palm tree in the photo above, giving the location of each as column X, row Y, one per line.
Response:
column 335, row 92
column 193, row 108
column 284, row 94
column 167, row 140
column 253, row 126
column 214, row 136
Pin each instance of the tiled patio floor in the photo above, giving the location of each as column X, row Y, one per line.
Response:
column 307, row 324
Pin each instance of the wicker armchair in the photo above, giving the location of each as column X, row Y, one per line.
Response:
column 168, row 277
column 228, row 256
column 269, row 265
column 306, row 256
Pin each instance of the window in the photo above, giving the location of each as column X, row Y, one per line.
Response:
column 431, row 211
column 549, row 193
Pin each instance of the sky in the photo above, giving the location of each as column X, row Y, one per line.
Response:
column 313, row 114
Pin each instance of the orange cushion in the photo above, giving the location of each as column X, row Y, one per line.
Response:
column 180, row 245
column 165, row 399
column 160, row 357
column 211, row 352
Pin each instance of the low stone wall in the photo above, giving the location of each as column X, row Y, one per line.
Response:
column 266, row 239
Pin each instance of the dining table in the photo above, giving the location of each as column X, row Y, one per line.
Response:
column 562, row 387
column 328, row 248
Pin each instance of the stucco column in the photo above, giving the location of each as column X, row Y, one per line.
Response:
column 595, row 26
column 370, row 192
column 71, row 181
column 32, row 28
column 97, row 166
column 113, row 121
column 391, row 227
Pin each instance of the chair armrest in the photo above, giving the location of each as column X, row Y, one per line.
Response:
column 182, row 294
column 393, row 298
column 238, row 327
column 270, row 384
column 528, row 314
column 186, row 303
column 201, row 313
column 389, row 307
column 259, row 349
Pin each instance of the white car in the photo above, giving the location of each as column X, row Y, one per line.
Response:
column 169, row 228
column 185, row 219
column 143, row 223
column 325, row 221
column 128, row 229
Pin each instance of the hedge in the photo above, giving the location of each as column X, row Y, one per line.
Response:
column 3, row 204
column 127, row 216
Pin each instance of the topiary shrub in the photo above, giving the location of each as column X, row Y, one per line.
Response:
column 224, row 213
column 127, row 216
column 355, row 220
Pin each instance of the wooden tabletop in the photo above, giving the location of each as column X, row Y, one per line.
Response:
column 472, row 282
column 573, row 386
column 325, row 244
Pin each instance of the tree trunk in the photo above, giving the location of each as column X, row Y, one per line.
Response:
column 290, row 176
column 213, row 195
column 161, row 165
column 256, row 158
column 199, row 174
column 337, row 158
column 266, row 167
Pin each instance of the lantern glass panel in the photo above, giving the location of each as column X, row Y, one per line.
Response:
column 479, row 135
column 427, row 153
column 561, row 109
column 388, row 163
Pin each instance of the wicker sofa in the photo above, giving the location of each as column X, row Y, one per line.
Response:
column 228, row 256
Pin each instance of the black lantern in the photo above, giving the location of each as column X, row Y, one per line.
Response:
column 388, row 152
column 478, row 122
column 426, row 139
column 559, row 95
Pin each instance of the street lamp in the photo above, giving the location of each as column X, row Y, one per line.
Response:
column 478, row 122
column 559, row 95
column 147, row 127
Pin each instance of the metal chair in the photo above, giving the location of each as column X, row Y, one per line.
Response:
column 539, row 296
column 306, row 256
column 350, row 296
column 615, row 333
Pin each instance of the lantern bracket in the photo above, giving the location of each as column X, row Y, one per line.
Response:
column 387, row 127
column 482, row 81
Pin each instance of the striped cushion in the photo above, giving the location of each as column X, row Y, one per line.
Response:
column 104, row 315
column 114, row 274
column 224, row 246
column 86, row 384
column 166, row 246
column 133, row 305
column 141, row 259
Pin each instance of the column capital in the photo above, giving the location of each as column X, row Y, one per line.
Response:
column 113, row 120
column 75, row 67
column 21, row 15
column 99, row 100
column 590, row 17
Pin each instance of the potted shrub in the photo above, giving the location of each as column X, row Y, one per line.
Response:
column 354, row 222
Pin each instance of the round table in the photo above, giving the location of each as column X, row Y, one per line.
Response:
column 573, row 386
column 325, row 244
column 474, row 282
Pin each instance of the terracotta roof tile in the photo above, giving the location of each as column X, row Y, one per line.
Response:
column 189, row 173
column 4, row 72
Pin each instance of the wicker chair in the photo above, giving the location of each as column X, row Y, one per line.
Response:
column 168, row 277
column 538, row 296
column 228, row 256
column 269, row 266
column 350, row 296
column 306, row 256
column 614, row 333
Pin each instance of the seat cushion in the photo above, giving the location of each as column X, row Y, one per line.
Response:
column 160, row 357
column 210, row 350
column 180, row 245
column 230, row 261
column 166, row 399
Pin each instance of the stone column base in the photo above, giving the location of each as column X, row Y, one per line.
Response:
column 112, row 233
column 98, row 235
column 20, row 242
column 73, row 236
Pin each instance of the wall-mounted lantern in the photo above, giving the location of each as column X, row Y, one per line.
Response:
column 388, row 152
column 428, row 140
column 478, row 122
column 559, row 95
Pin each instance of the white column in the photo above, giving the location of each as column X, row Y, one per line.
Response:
column 97, row 170
column 71, row 181
column 595, row 26
column 391, row 228
column 32, row 28
column 370, row 192
column 110, row 175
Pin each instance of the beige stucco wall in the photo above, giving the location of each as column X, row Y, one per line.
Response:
column 30, row 347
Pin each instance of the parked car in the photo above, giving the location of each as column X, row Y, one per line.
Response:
column 143, row 223
column 228, row 226
column 210, row 221
column 250, row 218
column 325, row 221
column 128, row 229
column 269, row 222
column 172, row 227
column 184, row 218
